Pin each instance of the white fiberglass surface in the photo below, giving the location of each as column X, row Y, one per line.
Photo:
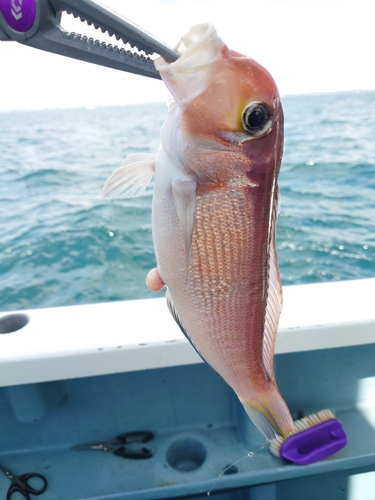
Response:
column 361, row 486
column 366, row 402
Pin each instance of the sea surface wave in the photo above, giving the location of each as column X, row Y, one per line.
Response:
column 61, row 244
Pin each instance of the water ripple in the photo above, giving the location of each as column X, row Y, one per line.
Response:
column 60, row 244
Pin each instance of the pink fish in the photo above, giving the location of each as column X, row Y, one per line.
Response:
column 214, row 216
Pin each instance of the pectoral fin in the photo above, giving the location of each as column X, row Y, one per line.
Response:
column 184, row 193
column 132, row 178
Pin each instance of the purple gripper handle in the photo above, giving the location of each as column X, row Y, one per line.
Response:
column 316, row 443
column 19, row 14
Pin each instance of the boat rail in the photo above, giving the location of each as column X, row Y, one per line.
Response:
column 96, row 339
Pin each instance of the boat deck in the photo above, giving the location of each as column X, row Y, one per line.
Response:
column 87, row 373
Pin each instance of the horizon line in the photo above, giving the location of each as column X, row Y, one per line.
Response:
column 96, row 106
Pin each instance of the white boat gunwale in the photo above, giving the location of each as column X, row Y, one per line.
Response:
column 96, row 339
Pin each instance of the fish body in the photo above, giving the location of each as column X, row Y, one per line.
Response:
column 214, row 212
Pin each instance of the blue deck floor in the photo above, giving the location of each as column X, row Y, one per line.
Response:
column 196, row 420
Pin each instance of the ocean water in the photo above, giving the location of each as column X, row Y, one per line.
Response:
column 60, row 244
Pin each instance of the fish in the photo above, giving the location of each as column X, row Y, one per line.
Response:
column 214, row 212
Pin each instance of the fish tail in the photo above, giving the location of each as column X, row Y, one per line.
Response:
column 270, row 415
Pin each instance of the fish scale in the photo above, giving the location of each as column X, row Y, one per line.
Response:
column 218, row 257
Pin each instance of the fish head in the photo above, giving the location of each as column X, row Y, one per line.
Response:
column 229, row 110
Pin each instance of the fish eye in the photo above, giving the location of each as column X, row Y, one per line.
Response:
column 256, row 118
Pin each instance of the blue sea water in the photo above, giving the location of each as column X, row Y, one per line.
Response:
column 60, row 244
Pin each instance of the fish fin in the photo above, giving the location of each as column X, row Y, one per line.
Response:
column 174, row 313
column 270, row 415
column 184, row 192
column 132, row 178
column 176, row 317
column 274, row 296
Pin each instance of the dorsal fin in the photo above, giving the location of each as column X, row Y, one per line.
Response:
column 274, row 297
column 132, row 178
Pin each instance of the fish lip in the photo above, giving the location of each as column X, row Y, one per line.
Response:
column 191, row 74
column 197, row 36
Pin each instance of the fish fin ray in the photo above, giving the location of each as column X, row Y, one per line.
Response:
column 184, row 193
column 270, row 415
column 176, row 317
column 132, row 178
column 274, row 296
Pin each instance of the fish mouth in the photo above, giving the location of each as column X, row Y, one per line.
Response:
column 198, row 49
column 192, row 72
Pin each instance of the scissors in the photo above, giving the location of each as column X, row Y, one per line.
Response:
column 36, row 23
column 116, row 446
column 20, row 484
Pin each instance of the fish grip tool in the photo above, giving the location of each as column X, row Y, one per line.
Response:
column 36, row 23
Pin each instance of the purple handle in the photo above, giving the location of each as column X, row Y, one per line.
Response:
column 316, row 443
column 19, row 14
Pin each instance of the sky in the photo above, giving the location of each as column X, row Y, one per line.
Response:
column 307, row 45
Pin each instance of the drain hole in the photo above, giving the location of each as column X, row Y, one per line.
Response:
column 13, row 322
column 186, row 454
column 229, row 469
